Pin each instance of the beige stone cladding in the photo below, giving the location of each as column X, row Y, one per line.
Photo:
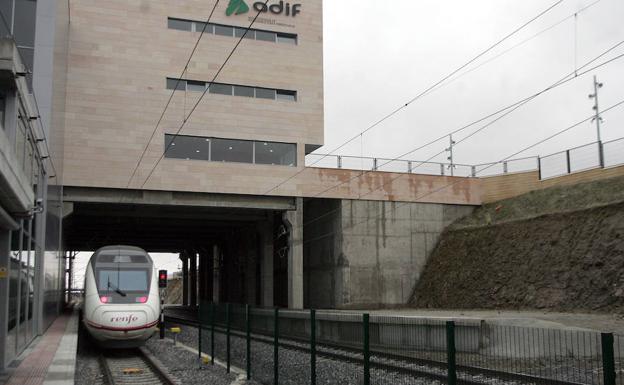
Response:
column 120, row 54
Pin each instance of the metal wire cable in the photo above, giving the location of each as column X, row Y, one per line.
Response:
column 202, row 96
column 619, row 104
column 162, row 115
column 420, row 95
column 574, row 75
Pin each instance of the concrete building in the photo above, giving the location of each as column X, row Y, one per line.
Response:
column 231, row 191
column 31, row 259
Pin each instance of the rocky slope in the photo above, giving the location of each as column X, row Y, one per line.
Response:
column 560, row 249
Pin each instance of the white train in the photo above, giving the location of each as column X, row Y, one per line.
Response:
column 121, row 304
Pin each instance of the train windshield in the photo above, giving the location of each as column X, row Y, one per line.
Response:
column 123, row 280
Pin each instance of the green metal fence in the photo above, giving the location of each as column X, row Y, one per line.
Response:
column 275, row 346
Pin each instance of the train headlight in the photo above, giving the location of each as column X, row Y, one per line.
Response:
column 105, row 299
column 141, row 299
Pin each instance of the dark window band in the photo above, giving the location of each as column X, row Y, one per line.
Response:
column 230, row 150
column 232, row 31
column 231, row 89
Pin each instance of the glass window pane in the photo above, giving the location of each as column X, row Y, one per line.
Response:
column 182, row 25
column 265, row 93
column 173, row 83
column 265, row 36
column 124, row 280
column 199, row 27
column 286, row 38
column 28, row 56
column 284, row 154
column 227, row 150
column 6, row 9
column 24, row 25
column 195, row 86
column 244, row 91
column 239, row 32
column 222, row 89
column 287, row 95
column 224, row 31
column 187, row 147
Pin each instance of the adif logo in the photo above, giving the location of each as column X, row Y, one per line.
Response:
column 238, row 7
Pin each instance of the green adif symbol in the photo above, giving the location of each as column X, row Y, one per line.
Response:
column 237, row 7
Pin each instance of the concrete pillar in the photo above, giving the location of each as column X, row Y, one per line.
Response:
column 216, row 274
column 193, row 278
column 185, row 294
column 294, row 222
column 206, row 262
column 5, row 239
column 265, row 230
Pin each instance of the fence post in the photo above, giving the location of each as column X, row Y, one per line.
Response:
column 276, row 347
column 568, row 163
column 248, row 319
column 212, row 332
column 608, row 359
column 312, row 347
column 227, row 335
column 199, row 328
column 450, row 351
column 365, row 319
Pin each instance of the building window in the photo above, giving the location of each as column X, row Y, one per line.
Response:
column 283, row 154
column 221, row 89
column 187, row 147
column 230, row 30
column 229, row 89
column 181, row 25
column 287, row 95
column 265, row 93
column 230, row 150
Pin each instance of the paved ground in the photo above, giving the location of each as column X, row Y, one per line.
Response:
column 599, row 322
column 52, row 357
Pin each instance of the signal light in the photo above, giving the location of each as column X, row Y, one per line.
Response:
column 162, row 279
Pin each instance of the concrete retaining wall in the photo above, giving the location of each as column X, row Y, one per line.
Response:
column 369, row 254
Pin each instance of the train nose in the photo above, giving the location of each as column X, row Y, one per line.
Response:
column 112, row 318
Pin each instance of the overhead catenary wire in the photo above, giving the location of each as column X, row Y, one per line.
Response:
column 461, row 180
column 202, row 96
column 569, row 77
column 510, row 109
column 421, row 94
column 179, row 79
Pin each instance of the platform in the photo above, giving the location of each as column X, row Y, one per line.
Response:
column 51, row 359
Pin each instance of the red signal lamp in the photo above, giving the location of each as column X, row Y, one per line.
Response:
column 162, row 279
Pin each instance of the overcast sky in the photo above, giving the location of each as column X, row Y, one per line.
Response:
column 380, row 54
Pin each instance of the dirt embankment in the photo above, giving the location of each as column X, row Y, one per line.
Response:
column 560, row 249
column 174, row 291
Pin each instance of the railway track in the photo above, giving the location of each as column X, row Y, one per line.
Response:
column 384, row 360
column 133, row 366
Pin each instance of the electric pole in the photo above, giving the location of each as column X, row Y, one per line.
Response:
column 450, row 157
column 597, row 118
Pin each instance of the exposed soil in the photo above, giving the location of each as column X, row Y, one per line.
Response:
column 537, row 251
